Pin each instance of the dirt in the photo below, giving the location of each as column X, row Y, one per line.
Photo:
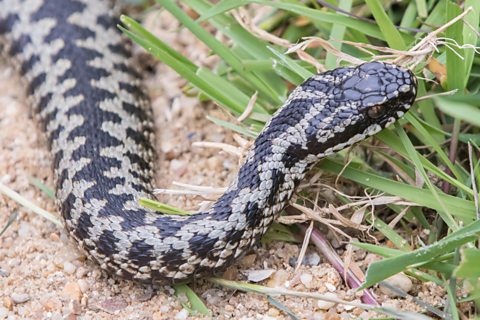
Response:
column 44, row 276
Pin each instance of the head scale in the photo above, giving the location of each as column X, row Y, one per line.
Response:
column 350, row 104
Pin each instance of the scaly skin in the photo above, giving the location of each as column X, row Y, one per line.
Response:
column 99, row 126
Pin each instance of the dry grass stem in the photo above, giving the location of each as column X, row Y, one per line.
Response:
column 428, row 44
column 244, row 19
column 303, row 249
column 430, row 96
column 315, row 42
column 228, row 148
column 206, row 192
column 398, row 217
column 249, row 108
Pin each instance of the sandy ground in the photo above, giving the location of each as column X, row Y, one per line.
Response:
column 44, row 276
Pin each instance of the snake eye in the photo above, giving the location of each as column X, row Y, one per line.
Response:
column 375, row 111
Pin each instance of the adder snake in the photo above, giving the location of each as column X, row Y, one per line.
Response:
column 98, row 124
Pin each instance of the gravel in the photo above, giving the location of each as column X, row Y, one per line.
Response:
column 19, row 298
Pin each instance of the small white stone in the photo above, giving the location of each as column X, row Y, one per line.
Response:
column 306, row 279
column 348, row 307
column 3, row 313
column 400, row 281
column 330, row 287
column 83, row 285
column 259, row 275
column 182, row 314
column 325, row 305
column 19, row 297
column 164, row 308
column 25, row 229
column 6, row 179
column 312, row 259
column 69, row 267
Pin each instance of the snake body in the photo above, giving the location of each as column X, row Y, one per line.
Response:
column 98, row 124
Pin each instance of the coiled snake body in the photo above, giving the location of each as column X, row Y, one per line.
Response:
column 98, row 124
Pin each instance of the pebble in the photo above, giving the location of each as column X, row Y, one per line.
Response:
column 312, row 259
column 8, row 303
column 325, row 305
column 52, row 303
column 178, row 166
column 69, row 267
column 213, row 296
column 3, row 313
column 273, row 312
column 54, row 236
column 144, row 295
column 72, row 291
column 306, row 279
column 74, row 307
column 400, row 281
column 4, row 273
column 25, row 229
column 213, row 163
column 81, row 272
column 330, row 287
column 349, row 307
column 182, row 315
column 259, row 275
column 319, row 315
column 113, row 305
column 83, row 284
column 247, row 261
column 6, row 179
column 18, row 298
column 278, row 279
column 164, row 308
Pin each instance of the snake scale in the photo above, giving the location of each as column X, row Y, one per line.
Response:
column 99, row 128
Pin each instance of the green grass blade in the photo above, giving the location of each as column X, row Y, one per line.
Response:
column 463, row 209
column 455, row 60
column 459, row 110
column 415, row 158
column 11, row 219
column 196, row 304
column 422, row 8
column 390, row 33
column 470, row 37
column 28, row 204
column 468, row 267
column 381, row 270
column 49, row 192
column 337, row 33
column 162, row 207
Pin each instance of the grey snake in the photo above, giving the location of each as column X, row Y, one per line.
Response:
column 98, row 124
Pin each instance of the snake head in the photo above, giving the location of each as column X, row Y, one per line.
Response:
column 343, row 106
column 384, row 92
